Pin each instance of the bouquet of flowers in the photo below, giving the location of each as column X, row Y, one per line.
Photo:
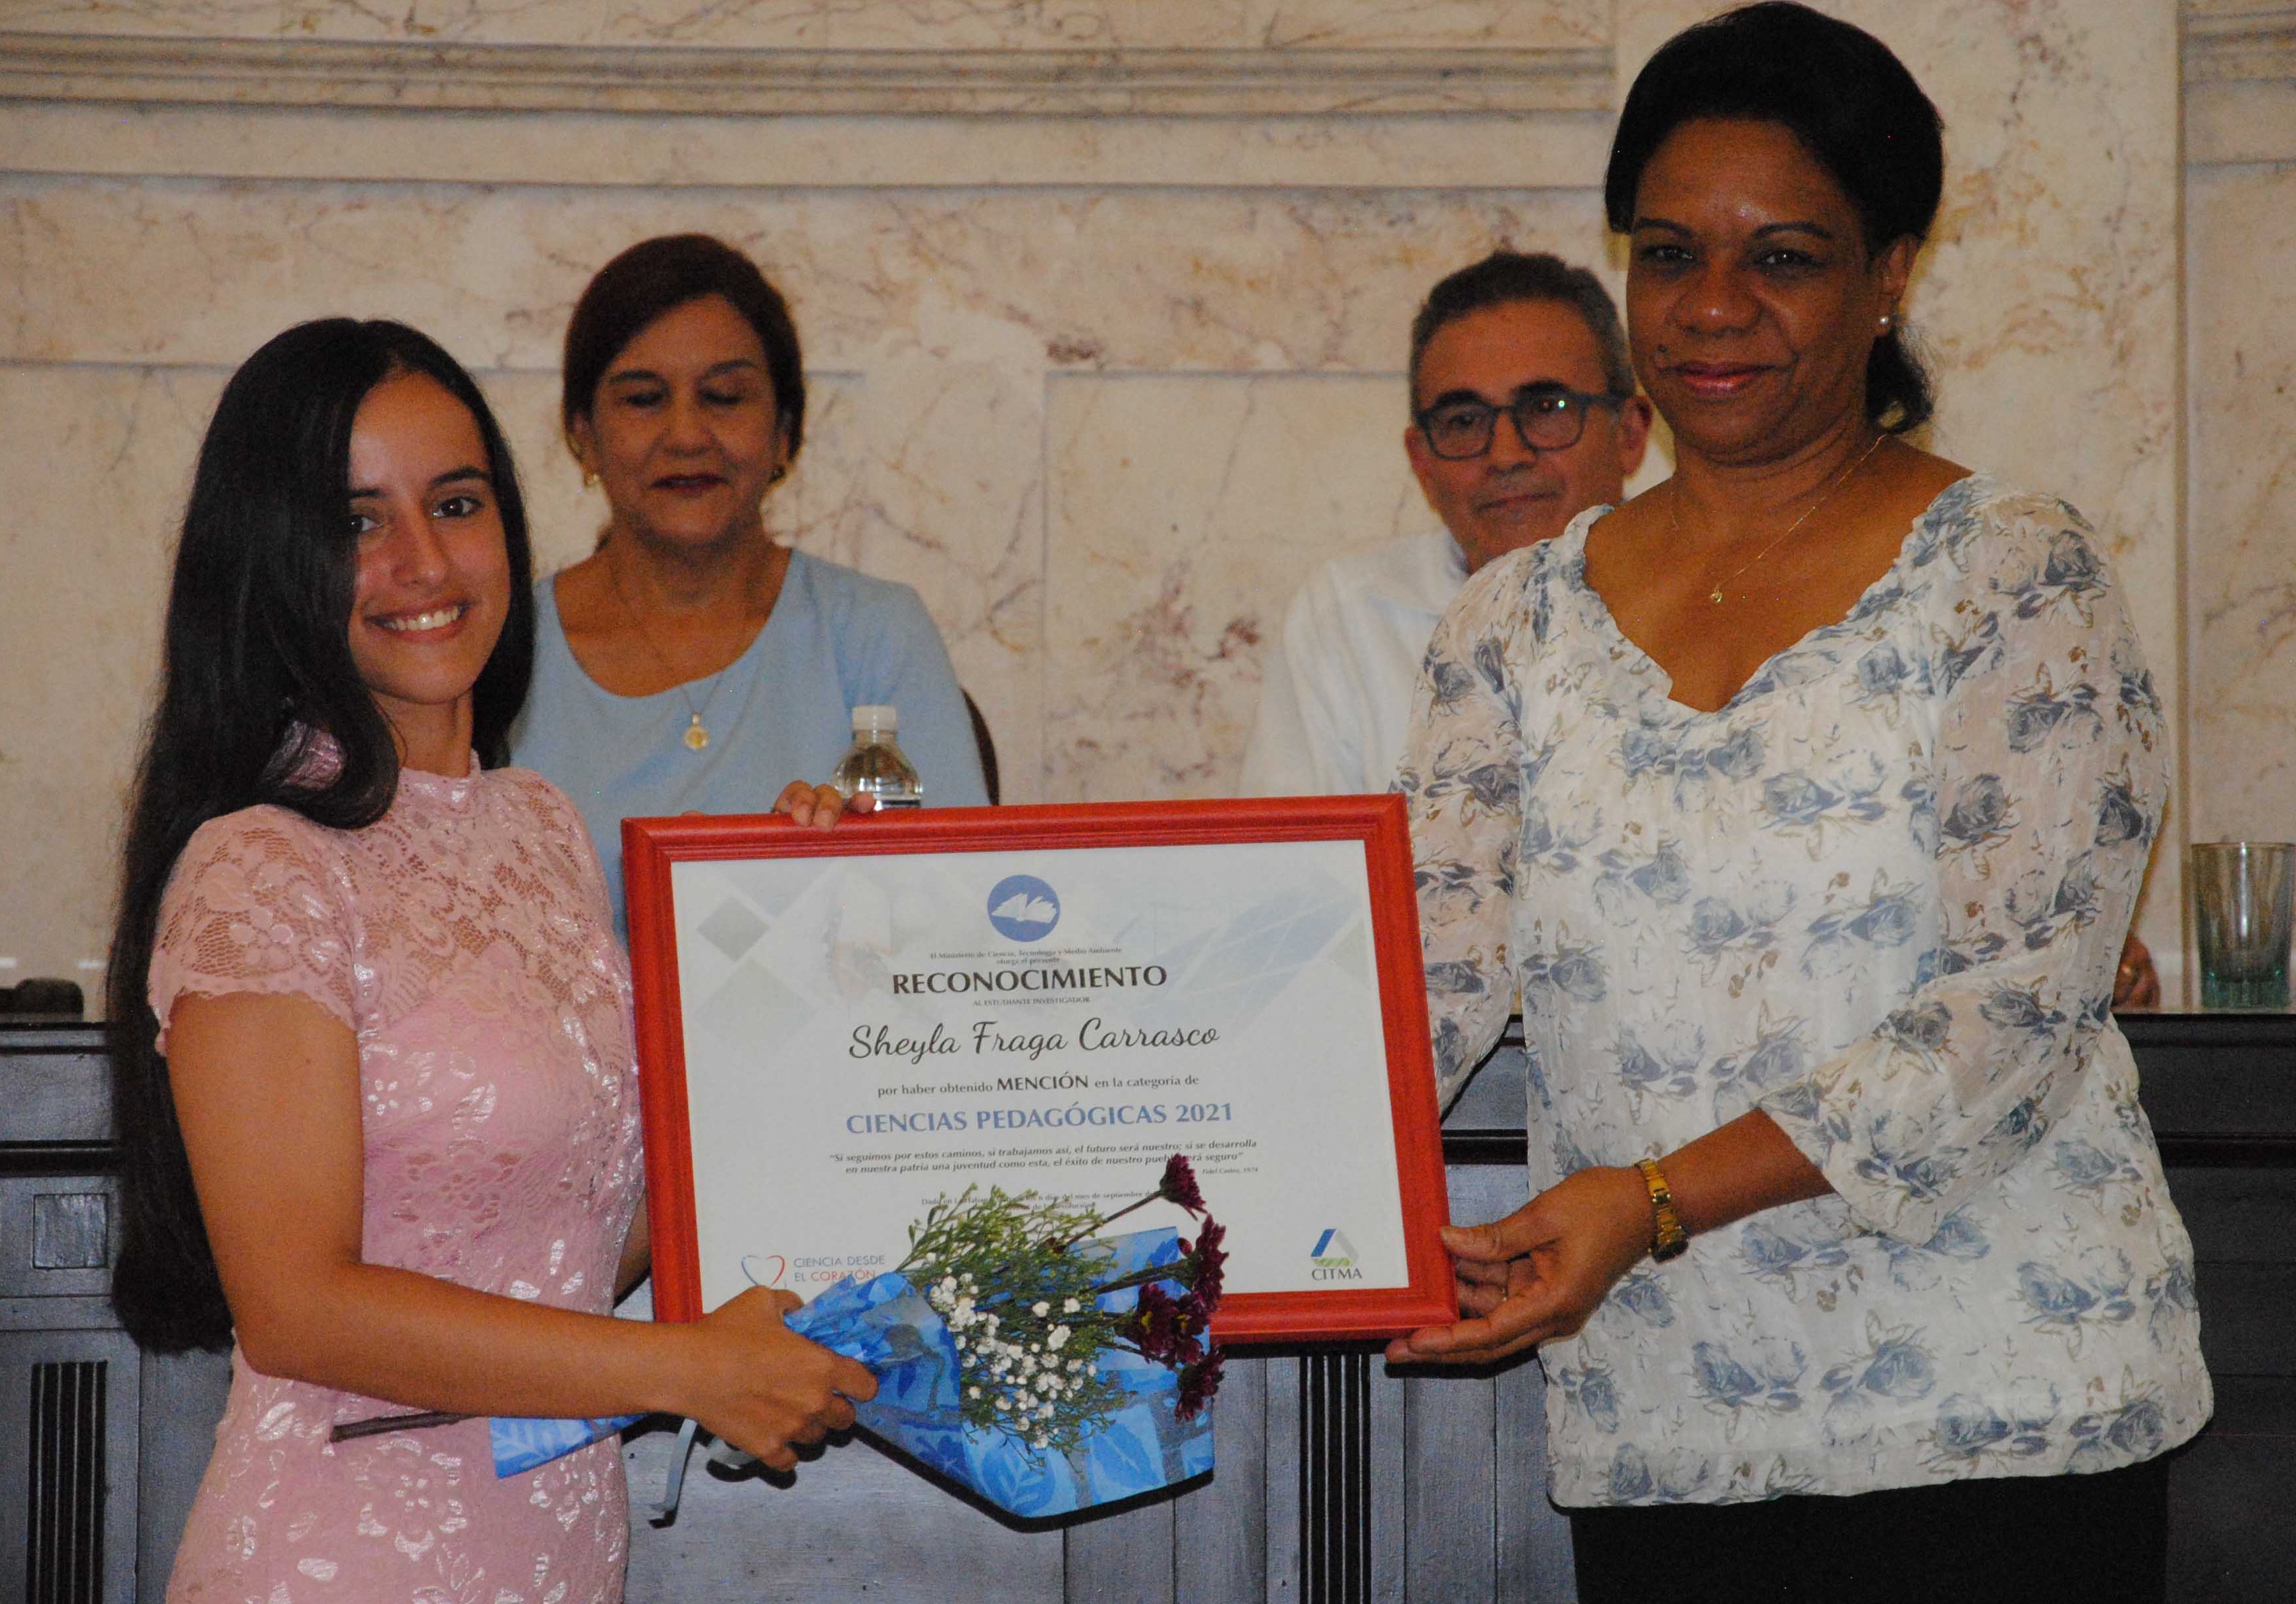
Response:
column 1042, row 1368
column 1039, row 1366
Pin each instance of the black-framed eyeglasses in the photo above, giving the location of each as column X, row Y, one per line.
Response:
column 1547, row 417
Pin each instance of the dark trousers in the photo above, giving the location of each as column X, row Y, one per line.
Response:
column 2098, row 1539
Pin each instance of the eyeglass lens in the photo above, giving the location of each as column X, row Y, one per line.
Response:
column 1544, row 421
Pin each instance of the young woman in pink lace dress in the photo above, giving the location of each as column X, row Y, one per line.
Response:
column 371, row 1029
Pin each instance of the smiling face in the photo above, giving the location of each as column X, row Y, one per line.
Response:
column 433, row 583
column 682, row 431
column 1752, row 302
column 1511, row 495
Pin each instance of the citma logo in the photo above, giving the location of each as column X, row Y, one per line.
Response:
column 1023, row 908
column 1335, row 1257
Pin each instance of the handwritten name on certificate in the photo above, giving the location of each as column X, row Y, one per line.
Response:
column 873, row 1032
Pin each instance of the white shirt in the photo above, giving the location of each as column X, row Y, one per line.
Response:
column 1879, row 895
column 1335, row 700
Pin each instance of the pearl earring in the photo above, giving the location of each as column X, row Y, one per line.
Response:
column 1889, row 321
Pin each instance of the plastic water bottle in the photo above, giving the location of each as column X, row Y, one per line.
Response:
column 875, row 765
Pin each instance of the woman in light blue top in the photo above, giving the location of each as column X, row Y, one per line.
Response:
column 691, row 664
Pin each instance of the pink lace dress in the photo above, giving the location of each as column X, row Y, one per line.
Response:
column 465, row 938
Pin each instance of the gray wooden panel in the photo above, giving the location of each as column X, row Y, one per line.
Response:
column 2237, row 1214
column 852, row 1519
column 1390, row 1476
column 115, row 1494
column 183, row 1396
column 1453, row 1540
column 56, row 1236
column 1123, row 1558
column 1533, row 1537
column 1219, row 1531
column 2229, row 1535
column 1283, row 1520
column 55, row 1085
column 2245, row 1327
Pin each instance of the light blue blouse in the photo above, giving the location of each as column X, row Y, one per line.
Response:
column 781, row 712
column 1879, row 896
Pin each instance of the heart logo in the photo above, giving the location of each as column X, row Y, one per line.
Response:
column 764, row 1268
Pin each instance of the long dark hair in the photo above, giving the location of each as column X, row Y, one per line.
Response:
column 1856, row 110
column 256, row 668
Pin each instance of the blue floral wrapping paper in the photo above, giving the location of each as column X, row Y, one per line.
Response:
column 521, row 1443
column 887, row 1325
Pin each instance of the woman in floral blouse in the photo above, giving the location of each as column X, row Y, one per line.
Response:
column 1805, row 800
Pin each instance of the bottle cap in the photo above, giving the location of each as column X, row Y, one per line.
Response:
column 876, row 716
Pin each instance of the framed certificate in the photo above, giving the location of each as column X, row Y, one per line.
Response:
column 837, row 1027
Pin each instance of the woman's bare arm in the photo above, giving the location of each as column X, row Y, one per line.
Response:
column 266, row 1092
column 637, row 1254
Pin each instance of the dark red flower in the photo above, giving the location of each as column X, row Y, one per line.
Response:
column 1198, row 1383
column 1153, row 1324
column 1208, row 1261
column 1166, row 1327
column 1179, row 1185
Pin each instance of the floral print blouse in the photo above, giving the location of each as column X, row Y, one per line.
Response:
column 1879, row 896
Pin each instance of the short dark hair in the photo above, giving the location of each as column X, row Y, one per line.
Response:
column 658, row 275
column 1506, row 277
column 1851, row 104
column 256, row 667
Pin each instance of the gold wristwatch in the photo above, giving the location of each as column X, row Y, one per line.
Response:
column 1669, row 1241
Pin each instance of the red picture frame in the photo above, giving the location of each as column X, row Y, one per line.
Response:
column 651, row 846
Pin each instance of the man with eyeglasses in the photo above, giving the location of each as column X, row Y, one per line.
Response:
column 1523, row 414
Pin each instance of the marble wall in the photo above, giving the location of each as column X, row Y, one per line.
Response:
column 2240, row 209
column 1104, row 302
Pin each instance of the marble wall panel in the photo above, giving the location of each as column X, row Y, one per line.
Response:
column 849, row 25
column 200, row 271
column 2242, row 512
column 95, row 462
column 1561, row 147
column 2047, row 298
column 1182, row 514
column 757, row 24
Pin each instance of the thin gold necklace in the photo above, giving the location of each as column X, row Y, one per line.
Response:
column 697, row 733
column 1673, row 519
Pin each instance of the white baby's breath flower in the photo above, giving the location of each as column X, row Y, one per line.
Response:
column 1040, row 1309
column 972, row 1392
column 1070, row 1307
column 1058, row 1339
column 1075, row 1365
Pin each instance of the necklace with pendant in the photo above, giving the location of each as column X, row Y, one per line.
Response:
column 697, row 733
column 1674, row 520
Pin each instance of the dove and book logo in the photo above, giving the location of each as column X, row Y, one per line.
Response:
column 1023, row 908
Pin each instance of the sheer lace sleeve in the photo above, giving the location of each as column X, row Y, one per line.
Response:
column 254, row 905
column 2051, row 774
column 1462, row 779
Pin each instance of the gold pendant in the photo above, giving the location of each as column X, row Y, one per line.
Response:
column 1716, row 598
column 696, row 737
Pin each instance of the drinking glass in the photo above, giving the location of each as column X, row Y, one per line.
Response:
column 2244, row 916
